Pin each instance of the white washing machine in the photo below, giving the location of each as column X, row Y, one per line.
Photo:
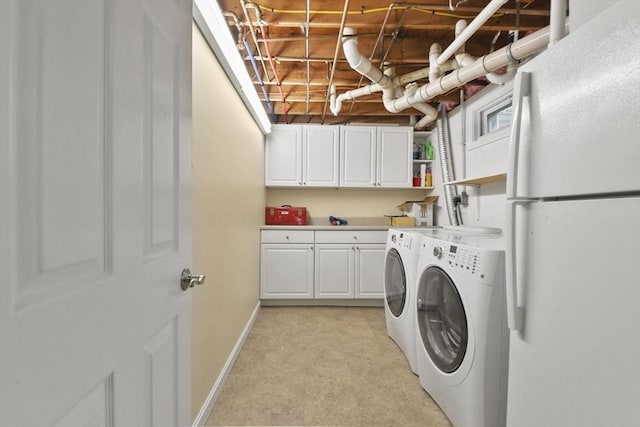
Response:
column 403, row 245
column 461, row 327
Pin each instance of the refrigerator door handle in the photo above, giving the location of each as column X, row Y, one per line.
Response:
column 514, row 257
column 521, row 88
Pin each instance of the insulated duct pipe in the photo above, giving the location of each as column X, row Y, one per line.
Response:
column 465, row 35
column 446, row 169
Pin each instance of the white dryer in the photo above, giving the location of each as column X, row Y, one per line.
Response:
column 461, row 327
column 400, row 265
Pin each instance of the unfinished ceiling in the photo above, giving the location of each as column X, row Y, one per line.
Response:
column 300, row 40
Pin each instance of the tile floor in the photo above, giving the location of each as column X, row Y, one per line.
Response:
column 329, row 366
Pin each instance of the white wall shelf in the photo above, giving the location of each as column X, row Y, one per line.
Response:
column 479, row 180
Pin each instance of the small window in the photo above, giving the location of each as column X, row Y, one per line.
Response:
column 496, row 118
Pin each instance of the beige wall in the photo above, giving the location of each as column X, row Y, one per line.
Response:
column 228, row 209
column 344, row 202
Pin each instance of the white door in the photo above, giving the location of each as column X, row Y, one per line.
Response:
column 286, row 271
column 577, row 353
column 576, row 137
column 370, row 270
column 357, row 156
column 320, row 149
column 334, row 270
column 95, row 212
column 283, row 156
column 394, row 153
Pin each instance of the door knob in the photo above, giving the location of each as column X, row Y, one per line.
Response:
column 188, row 280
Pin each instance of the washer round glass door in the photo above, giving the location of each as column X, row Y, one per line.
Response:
column 442, row 320
column 395, row 282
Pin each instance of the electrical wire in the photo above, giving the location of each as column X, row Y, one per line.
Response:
column 377, row 10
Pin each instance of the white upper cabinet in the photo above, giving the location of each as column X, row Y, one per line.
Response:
column 357, row 156
column 394, row 153
column 320, row 148
column 339, row 156
column 283, row 156
column 302, row 155
column 373, row 156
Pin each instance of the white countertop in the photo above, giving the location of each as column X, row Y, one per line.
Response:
column 367, row 223
column 325, row 227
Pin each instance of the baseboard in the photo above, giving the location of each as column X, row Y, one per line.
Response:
column 377, row 302
column 207, row 407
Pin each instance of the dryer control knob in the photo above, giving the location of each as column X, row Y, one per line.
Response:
column 437, row 251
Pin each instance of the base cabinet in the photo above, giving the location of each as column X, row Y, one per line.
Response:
column 334, row 271
column 349, row 270
column 286, row 271
column 329, row 265
column 370, row 270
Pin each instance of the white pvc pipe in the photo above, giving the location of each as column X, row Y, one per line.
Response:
column 359, row 62
column 434, row 53
column 501, row 79
column 460, row 27
column 557, row 20
column 430, row 115
column 473, row 69
column 465, row 35
column 483, row 65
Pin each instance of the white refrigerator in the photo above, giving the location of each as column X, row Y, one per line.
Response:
column 573, row 229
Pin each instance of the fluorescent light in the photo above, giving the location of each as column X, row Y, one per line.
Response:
column 213, row 25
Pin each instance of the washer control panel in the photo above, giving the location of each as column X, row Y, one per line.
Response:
column 465, row 259
column 403, row 240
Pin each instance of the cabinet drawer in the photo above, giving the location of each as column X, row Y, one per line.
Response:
column 287, row 236
column 372, row 236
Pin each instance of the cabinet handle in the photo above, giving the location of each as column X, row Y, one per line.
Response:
column 311, row 247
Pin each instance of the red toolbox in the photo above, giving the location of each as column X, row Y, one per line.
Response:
column 285, row 215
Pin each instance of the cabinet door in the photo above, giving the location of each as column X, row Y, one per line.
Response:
column 357, row 156
column 320, row 149
column 394, row 154
column 286, row 271
column 370, row 270
column 334, row 276
column 283, row 156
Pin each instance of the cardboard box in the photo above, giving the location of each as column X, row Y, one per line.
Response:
column 401, row 221
column 422, row 211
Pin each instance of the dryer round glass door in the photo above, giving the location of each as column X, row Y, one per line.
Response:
column 441, row 319
column 395, row 283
